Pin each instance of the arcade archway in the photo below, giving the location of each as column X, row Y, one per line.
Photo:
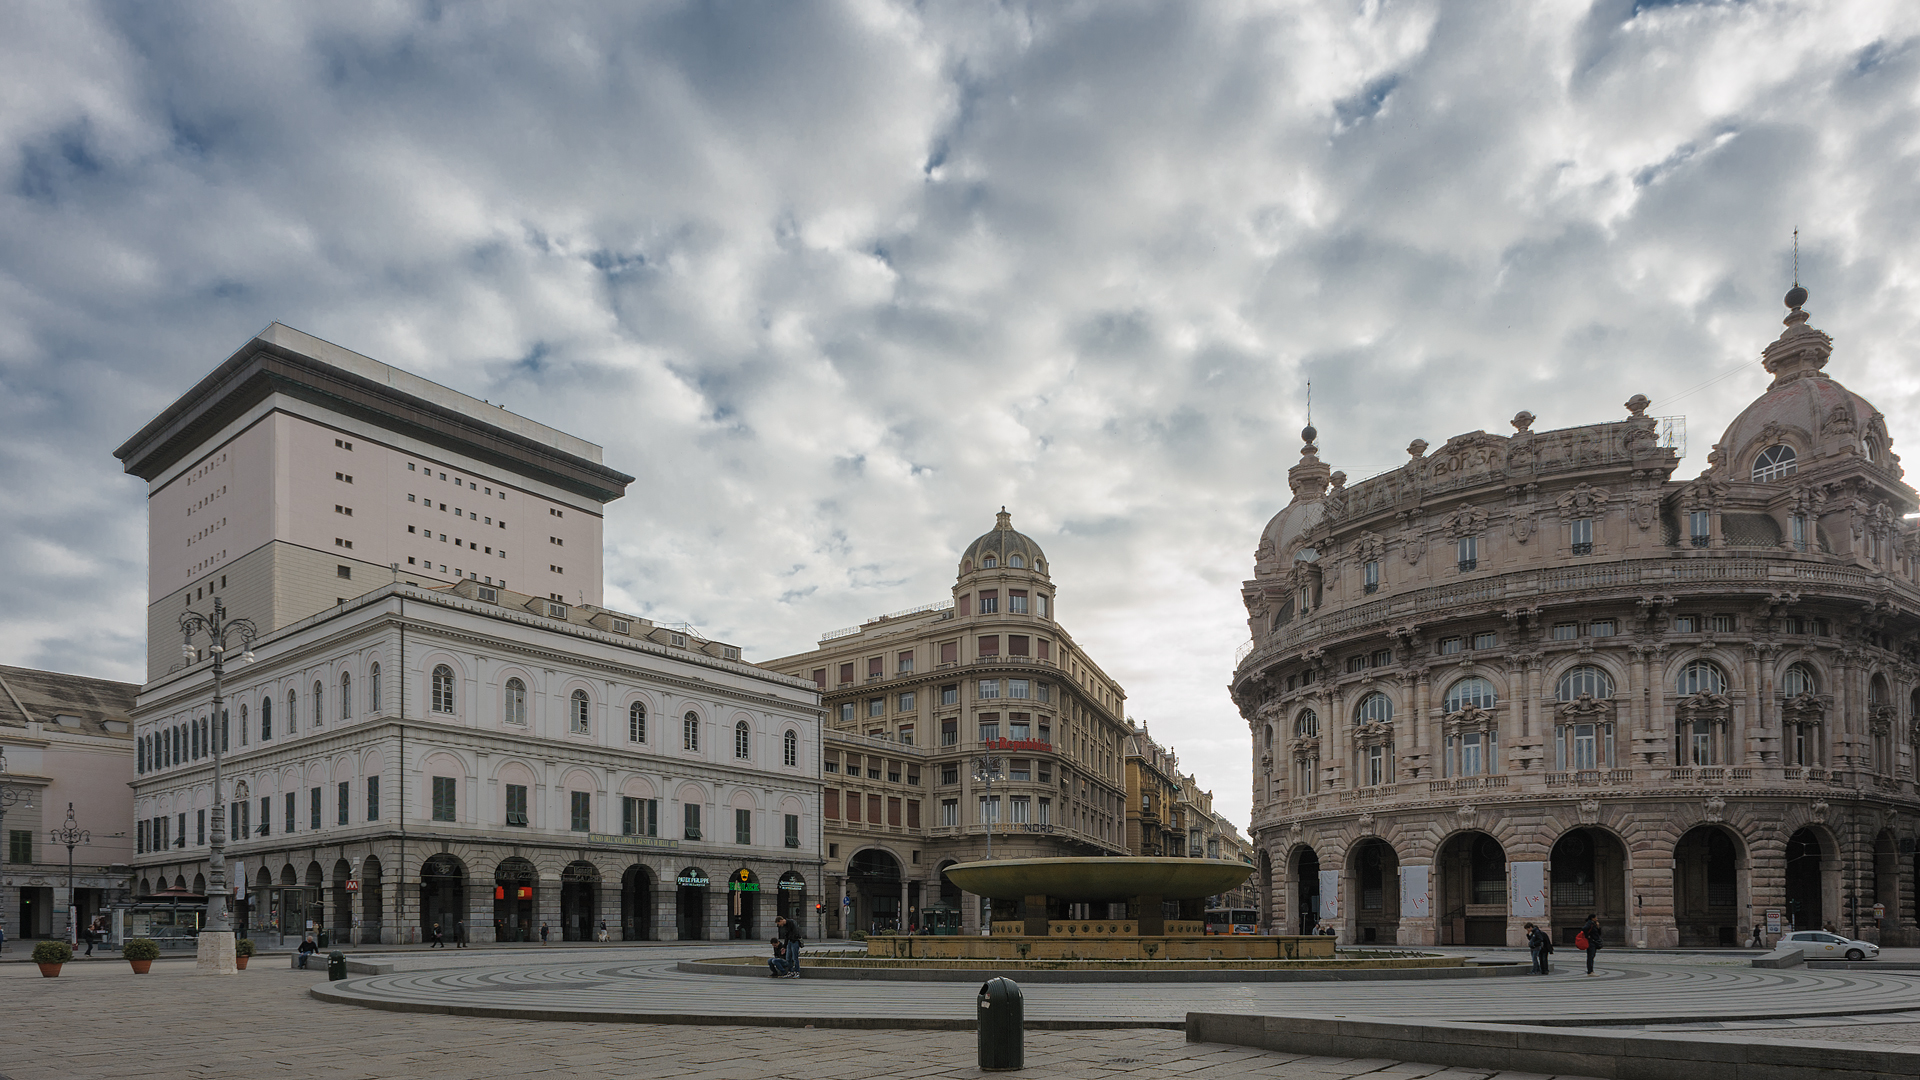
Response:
column 743, row 905
column 1373, row 877
column 1587, row 873
column 579, row 901
column 874, row 879
column 514, row 886
column 1707, row 866
column 1472, row 895
column 636, row 904
column 1306, row 890
column 690, row 904
column 1812, row 881
column 443, row 896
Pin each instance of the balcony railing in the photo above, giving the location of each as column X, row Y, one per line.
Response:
column 1466, row 783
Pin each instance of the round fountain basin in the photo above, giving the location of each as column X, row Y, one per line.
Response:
column 1092, row 881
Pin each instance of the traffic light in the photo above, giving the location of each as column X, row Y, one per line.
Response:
column 819, row 907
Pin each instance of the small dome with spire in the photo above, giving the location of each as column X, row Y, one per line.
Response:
column 1003, row 548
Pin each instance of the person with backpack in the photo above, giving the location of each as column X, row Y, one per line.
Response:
column 1588, row 940
column 790, row 938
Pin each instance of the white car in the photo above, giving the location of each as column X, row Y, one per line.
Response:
column 1820, row 945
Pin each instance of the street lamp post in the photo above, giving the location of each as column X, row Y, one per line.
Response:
column 9, row 795
column 986, row 770
column 72, row 835
column 215, row 942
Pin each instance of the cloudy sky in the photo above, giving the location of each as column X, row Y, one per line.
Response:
column 836, row 281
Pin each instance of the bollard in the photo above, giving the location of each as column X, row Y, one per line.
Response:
column 1002, row 1031
column 336, row 966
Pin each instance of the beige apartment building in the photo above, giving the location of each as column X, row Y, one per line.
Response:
column 918, row 703
column 1532, row 677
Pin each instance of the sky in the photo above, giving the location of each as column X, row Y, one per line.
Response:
column 835, row 282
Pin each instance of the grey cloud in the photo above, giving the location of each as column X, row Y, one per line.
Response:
column 836, row 281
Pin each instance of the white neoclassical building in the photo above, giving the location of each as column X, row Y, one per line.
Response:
column 442, row 750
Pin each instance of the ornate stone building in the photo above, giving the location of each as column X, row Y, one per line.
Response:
column 916, row 699
column 1530, row 677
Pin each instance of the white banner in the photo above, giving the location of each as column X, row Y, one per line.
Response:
column 1416, row 902
column 1528, row 881
column 1329, row 894
column 239, row 881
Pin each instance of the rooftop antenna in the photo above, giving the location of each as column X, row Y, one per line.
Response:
column 1796, row 264
column 1796, row 257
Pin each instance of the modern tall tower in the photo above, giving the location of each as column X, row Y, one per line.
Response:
column 298, row 474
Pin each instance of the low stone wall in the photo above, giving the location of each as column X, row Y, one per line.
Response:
column 858, row 968
column 1520, row 1048
column 1100, row 947
column 1781, row 958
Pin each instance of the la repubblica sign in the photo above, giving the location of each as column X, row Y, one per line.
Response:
column 631, row 841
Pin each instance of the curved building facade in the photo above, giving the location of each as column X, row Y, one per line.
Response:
column 1531, row 677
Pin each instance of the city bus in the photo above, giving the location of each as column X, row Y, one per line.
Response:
column 1241, row 920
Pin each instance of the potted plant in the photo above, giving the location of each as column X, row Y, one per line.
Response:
column 242, row 952
column 141, row 953
column 50, row 954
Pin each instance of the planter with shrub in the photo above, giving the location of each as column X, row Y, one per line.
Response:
column 50, row 955
column 242, row 952
column 141, row 953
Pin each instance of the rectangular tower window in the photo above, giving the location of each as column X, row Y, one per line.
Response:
column 293, row 810
column 517, row 804
column 343, row 798
column 1373, row 576
column 313, row 809
column 373, row 798
column 1469, row 553
column 1698, row 528
column 640, row 817
column 443, row 793
column 691, row 812
column 791, row 830
column 581, row 804
column 742, row 826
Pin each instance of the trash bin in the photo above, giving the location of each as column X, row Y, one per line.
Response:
column 1002, row 1018
column 323, row 939
column 336, row 966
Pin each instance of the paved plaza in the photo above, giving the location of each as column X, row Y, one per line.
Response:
column 99, row 1020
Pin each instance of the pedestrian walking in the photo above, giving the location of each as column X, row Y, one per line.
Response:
column 439, row 939
column 460, row 934
column 1591, row 933
column 543, row 933
column 604, row 936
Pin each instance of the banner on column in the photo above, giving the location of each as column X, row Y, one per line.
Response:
column 240, row 880
column 1416, row 901
column 1329, row 894
column 1528, row 880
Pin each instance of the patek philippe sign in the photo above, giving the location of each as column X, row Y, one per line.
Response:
column 692, row 879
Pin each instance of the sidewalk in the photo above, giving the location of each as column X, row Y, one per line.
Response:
column 21, row 952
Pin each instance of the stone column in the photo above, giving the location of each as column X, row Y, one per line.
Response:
column 1658, row 743
column 480, row 929
column 546, row 905
column 1422, row 707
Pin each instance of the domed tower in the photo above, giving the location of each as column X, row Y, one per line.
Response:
column 1003, row 570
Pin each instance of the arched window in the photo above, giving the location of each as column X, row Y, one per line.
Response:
column 1472, row 690
column 1016, row 562
column 1269, row 745
column 442, row 688
column 266, row 718
column 1872, row 446
column 637, row 722
column 318, row 716
column 581, row 712
column 790, row 749
column 1776, row 462
column 1799, row 680
column 988, row 562
column 346, row 696
column 514, row 706
column 690, row 731
column 1877, row 693
column 1307, row 724
column 293, row 710
column 140, row 755
column 1585, row 679
column 742, row 741
column 243, row 728
column 373, row 690
column 1375, row 708
column 1698, row 677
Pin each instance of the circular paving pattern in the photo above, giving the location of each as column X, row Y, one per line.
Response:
column 653, row 990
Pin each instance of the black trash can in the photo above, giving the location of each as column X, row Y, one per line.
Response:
column 323, row 942
column 1002, row 1014
column 336, row 966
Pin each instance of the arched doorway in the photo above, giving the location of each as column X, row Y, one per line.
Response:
column 1306, row 890
column 514, row 882
column 342, row 900
column 636, row 904
column 1373, row 877
column 690, row 904
column 743, row 904
column 372, row 900
column 1587, row 876
column 579, row 901
column 874, row 877
column 1807, row 865
column 443, row 896
column 1886, row 889
column 793, row 897
column 1472, row 897
column 1706, row 887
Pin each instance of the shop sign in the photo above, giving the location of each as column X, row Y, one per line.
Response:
column 742, row 881
column 693, row 879
column 353, row 885
column 793, row 886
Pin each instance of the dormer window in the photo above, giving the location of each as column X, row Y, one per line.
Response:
column 1872, row 447
column 1016, row 562
column 988, row 562
column 1778, row 462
